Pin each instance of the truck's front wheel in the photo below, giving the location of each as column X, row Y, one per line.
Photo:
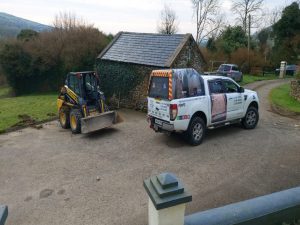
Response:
column 251, row 118
column 196, row 131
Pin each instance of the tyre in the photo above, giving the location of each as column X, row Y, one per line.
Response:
column 251, row 118
column 75, row 121
column 64, row 118
column 196, row 131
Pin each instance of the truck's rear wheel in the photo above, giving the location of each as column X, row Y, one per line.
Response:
column 196, row 131
column 75, row 121
column 64, row 118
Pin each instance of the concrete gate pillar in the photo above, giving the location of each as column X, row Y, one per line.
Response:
column 282, row 69
column 167, row 200
column 3, row 214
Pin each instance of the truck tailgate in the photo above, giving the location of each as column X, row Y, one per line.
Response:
column 159, row 108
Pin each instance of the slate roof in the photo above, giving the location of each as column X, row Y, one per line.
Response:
column 146, row 49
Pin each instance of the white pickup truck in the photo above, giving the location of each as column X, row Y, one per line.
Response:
column 182, row 100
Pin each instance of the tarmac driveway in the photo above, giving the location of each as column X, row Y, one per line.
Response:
column 50, row 176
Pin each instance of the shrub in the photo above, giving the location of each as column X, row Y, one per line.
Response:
column 41, row 63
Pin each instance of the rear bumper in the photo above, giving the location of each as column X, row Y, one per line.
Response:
column 163, row 126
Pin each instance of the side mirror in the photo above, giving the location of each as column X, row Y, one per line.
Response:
column 241, row 90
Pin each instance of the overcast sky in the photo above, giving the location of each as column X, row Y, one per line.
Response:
column 112, row 16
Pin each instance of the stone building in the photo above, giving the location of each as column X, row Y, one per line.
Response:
column 126, row 63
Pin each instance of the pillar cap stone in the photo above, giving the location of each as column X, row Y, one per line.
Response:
column 3, row 214
column 165, row 190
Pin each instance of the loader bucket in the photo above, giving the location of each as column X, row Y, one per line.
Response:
column 101, row 121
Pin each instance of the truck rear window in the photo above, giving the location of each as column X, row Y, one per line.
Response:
column 159, row 87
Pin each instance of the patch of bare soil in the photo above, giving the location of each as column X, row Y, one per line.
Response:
column 28, row 121
column 51, row 114
column 25, row 121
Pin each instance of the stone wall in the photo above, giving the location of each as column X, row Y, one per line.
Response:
column 137, row 98
column 189, row 57
column 295, row 89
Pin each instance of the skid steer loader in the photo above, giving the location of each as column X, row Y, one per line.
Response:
column 81, row 104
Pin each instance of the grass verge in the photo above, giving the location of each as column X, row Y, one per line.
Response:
column 247, row 79
column 24, row 110
column 280, row 96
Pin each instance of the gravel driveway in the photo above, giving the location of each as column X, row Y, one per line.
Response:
column 50, row 176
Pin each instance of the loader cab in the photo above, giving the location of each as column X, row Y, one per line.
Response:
column 73, row 82
column 85, row 85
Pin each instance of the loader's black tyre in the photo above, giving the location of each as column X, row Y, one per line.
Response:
column 64, row 118
column 75, row 121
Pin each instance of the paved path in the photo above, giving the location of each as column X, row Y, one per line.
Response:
column 50, row 176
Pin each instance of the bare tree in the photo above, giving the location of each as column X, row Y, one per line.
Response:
column 243, row 8
column 269, row 17
column 69, row 21
column 214, row 28
column 208, row 19
column 168, row 24
column 275, row 15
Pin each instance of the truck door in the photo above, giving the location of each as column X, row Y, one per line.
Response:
column 234, row 100
column 218, row 101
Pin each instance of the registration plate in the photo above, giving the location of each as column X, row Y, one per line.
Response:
column 158, row 122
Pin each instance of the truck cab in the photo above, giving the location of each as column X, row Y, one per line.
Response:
column 181, row 100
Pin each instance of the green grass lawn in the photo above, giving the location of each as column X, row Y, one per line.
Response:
column 280, row 96
column 247, row 79
column 38, row 107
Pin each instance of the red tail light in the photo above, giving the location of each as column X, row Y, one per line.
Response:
column 173, row 111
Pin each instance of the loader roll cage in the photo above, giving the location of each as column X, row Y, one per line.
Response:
column 84, row 84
